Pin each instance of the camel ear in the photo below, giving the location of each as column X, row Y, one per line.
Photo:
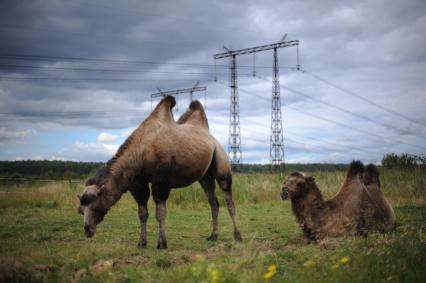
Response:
column 90, row 181
column 302, row 187
column 101, row 189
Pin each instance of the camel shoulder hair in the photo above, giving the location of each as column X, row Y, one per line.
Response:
column 162, row 113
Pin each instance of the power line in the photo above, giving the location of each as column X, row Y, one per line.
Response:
column 296, row 134
column 348, row 92
column 379, row 137
column 134, row 113
column 70, row 114
column 36, row 57
column 346, row 111
column 94, row 60
column 92, row 113
column 313, row 138
column 50, row 68
column 99, row 79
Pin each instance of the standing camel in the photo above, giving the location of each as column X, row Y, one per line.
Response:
column 168, row 155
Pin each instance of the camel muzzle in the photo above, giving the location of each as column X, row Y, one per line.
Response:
column 284, row 193
column 89, row 232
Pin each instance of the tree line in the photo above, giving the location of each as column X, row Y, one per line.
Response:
column 44, row 169
column 70, row 170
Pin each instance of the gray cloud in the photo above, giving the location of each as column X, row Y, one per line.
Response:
column 373, row 48
column 12, row 134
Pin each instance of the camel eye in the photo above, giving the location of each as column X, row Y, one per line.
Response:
column 87, row 199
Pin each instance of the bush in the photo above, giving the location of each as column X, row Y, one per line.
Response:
column 403, row 161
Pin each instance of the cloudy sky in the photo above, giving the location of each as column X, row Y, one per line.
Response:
column 76, row 76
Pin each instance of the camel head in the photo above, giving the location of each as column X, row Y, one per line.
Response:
column 92, row 203
column 296, row 186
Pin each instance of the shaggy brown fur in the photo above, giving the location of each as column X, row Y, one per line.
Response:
column 168, row 155
column 358, row 207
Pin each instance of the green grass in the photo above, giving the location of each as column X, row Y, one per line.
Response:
column 41, row 237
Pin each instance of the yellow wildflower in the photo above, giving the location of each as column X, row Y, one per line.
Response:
column 108, row 264
column 309, row 262
column 214, row 273
column 344, row 259
column 272, row 270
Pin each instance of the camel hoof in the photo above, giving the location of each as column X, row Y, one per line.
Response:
column 162, row 245
column 237, row 236
column 142, row 244
column 213, row 238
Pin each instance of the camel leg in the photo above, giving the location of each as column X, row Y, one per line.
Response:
column 160, row 214
column 209, row 188
column 141, row 195
column 160, row 193
column 225, row 184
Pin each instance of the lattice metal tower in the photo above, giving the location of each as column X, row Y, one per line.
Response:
column 234, row 118
column 277, row 141
column 191, row 91
column 277, row 148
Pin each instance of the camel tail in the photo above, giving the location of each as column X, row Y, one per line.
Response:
column 355, row 168
column 371, row 175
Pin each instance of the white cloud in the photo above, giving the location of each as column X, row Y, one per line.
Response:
column 79, row 151
column 107, row 137
column 94, row 148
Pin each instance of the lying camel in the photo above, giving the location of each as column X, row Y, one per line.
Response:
column 168, row 155
column 358, row 207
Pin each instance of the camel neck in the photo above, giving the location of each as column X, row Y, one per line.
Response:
column 113, row 192
column 307, row 206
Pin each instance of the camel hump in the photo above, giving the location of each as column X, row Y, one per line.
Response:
column 196, row 105
column 355, row 168
column 170, row 99
column 167, row 101
column 195, row 114
column 298, row 174
column 371, row 175
column 163, row 110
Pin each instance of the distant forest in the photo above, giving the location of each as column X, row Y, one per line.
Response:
column 52, row 170
column 69, row 170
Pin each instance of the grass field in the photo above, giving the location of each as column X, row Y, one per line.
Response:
column 41, row 237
